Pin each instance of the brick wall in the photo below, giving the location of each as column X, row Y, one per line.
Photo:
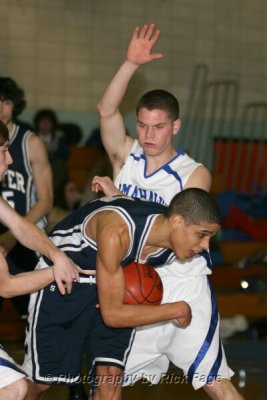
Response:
column 63, row 52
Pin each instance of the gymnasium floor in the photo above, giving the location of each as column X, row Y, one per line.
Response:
column 251, row 377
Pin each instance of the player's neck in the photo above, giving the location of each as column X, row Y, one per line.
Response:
column 160, row 232
column 155, row 162
column 11, row 127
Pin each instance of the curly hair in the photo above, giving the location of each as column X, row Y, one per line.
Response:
column 9, row 90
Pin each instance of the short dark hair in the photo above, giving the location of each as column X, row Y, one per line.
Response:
column 4, row 135
column 45, row 113
column 159, row 99
column 9, row 90
column 196, row 206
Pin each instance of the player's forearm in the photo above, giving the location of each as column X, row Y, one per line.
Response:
column 40, row 209
column 31, row 236
column 28, row 282
column 132, row 316
column 115, row 91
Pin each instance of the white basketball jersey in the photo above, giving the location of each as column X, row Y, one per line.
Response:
column 160, row 186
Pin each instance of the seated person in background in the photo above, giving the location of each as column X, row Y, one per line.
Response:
column 72, row 132
column 46, row 127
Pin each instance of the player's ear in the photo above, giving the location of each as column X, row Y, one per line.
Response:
column 176, row 220
column 176, row 125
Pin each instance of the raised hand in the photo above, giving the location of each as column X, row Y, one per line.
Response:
column 141, row 44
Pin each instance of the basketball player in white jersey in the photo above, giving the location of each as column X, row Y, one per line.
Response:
column 152, row 169
column 12, row 382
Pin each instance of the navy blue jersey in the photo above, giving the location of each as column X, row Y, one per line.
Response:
column 17, row 187
column 69, row 234
column 63, row 327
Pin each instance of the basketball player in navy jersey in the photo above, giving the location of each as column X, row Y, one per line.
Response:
column 107, row 234
column 27, row 185
column 12, row 382
column 152, row 169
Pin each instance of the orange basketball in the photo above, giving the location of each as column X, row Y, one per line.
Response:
column 142, row 284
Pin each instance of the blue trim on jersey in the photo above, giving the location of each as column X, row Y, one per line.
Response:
column 6, row 363
column 206, row 255
column 170, row 171
column 137, row 158
column 207, row 342
column 215, row 368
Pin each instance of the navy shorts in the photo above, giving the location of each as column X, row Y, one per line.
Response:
column 63, row 328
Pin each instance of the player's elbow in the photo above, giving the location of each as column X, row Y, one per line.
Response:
column 111, row 319
column 104, row 111
column 100, row 108
column 6, row 290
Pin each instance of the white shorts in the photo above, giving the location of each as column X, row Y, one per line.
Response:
column 196, row 350
column 9, row 370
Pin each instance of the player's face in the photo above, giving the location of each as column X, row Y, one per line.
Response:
column 5, row 159
column 190, row 240
column 6, row 110
column 155, row 132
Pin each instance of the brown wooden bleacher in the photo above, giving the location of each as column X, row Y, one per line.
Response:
column 81, row 162
column 235, row 250
column 226, row 280
column 231, row 300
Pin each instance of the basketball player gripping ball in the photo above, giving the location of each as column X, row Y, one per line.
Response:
column 62, row 328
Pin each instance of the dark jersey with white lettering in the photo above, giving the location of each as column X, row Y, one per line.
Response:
column 18, row 190
column 18, row 187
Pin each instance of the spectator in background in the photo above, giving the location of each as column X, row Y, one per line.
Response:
column 72, row 132
column 46, row 127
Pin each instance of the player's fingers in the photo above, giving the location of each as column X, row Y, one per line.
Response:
column 68, row 286
column 87, row 271
column 135, row 32
column 156, row 56
column 150, row 31
column 155, row 37
column 61, row 287
column 181, row 322
column 143, row 31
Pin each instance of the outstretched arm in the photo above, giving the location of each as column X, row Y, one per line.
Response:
column 27, row 282
column 32, row 237
column 113, row 132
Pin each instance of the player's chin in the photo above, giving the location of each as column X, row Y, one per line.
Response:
column 186, row 257
column 150, row 150
column 2, row 172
